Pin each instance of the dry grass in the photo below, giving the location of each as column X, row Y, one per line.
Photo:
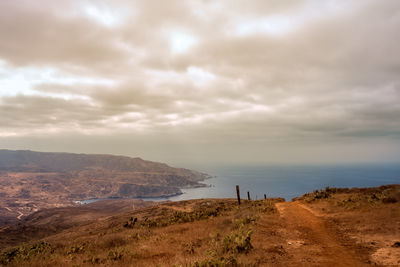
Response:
column 354, row 198
column 189, row 233
column 217, row 232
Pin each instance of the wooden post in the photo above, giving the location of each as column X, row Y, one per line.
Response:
column 238, row 194
column 265, row 196
column 248, row 195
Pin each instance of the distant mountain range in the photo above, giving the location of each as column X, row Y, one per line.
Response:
column 31, row 161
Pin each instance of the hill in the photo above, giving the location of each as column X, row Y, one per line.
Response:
column 330, row 227
column 31, row 181
column 31, row 161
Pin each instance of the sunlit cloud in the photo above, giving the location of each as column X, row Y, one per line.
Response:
column 200, row 76
column 104, row 14
column 181, row 42
column 274, row 25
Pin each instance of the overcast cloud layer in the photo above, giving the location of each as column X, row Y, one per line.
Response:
column 200, row 81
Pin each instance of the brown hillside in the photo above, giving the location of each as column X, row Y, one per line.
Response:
column 31, row 181
column 331, row 227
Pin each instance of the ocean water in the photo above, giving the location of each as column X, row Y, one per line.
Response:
column 284, row 181
column 289, row 181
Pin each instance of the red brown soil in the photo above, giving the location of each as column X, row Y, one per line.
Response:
column 358, row 227
column 315, row 241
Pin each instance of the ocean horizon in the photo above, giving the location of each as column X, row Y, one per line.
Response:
column 289, row 181
column 285, row 181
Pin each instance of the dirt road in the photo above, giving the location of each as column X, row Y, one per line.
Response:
column 313, row 241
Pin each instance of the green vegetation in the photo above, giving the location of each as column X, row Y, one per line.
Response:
column 224, row 251
column 388, row 195
column 131, row 223
column 210, row 232
column 24, row 253
column 319, row 194
column 76, row 249
column 385, row 196
column 237, row 242
column 354, row 198
column 140, row 234
column 182, row 217
column 219, row 262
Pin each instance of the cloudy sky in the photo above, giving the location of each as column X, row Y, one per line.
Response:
column 202, row 81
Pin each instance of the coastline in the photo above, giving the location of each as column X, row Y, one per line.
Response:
column 164, row 197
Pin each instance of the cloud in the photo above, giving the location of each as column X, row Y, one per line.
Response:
column 209, row 74
column 41, row 34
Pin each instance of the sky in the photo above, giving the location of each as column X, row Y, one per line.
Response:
column 203, row 82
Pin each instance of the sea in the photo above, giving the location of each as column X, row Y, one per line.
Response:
column 290, row 181
column 285, row 181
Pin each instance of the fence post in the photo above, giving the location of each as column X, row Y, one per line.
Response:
column 238, row 194
column 248, row 195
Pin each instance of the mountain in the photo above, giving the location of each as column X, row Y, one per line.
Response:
column 31, row 181
column 31, row 161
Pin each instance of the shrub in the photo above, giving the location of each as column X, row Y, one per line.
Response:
column 237, row 242
column 25, row 252
column 115, row 255
column 188, row 248
column 181, row 217
column 76, row 249
column 130, row 223
column 230, row 261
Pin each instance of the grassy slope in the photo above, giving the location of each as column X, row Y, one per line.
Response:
column 312, row 231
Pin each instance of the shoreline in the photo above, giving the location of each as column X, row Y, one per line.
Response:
column 200, row 184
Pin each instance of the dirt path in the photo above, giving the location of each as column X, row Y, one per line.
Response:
column 313, row 238
column 7, row 208
column 20, row 215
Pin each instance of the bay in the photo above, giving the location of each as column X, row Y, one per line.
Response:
column 284, row 181
column 290, row 181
